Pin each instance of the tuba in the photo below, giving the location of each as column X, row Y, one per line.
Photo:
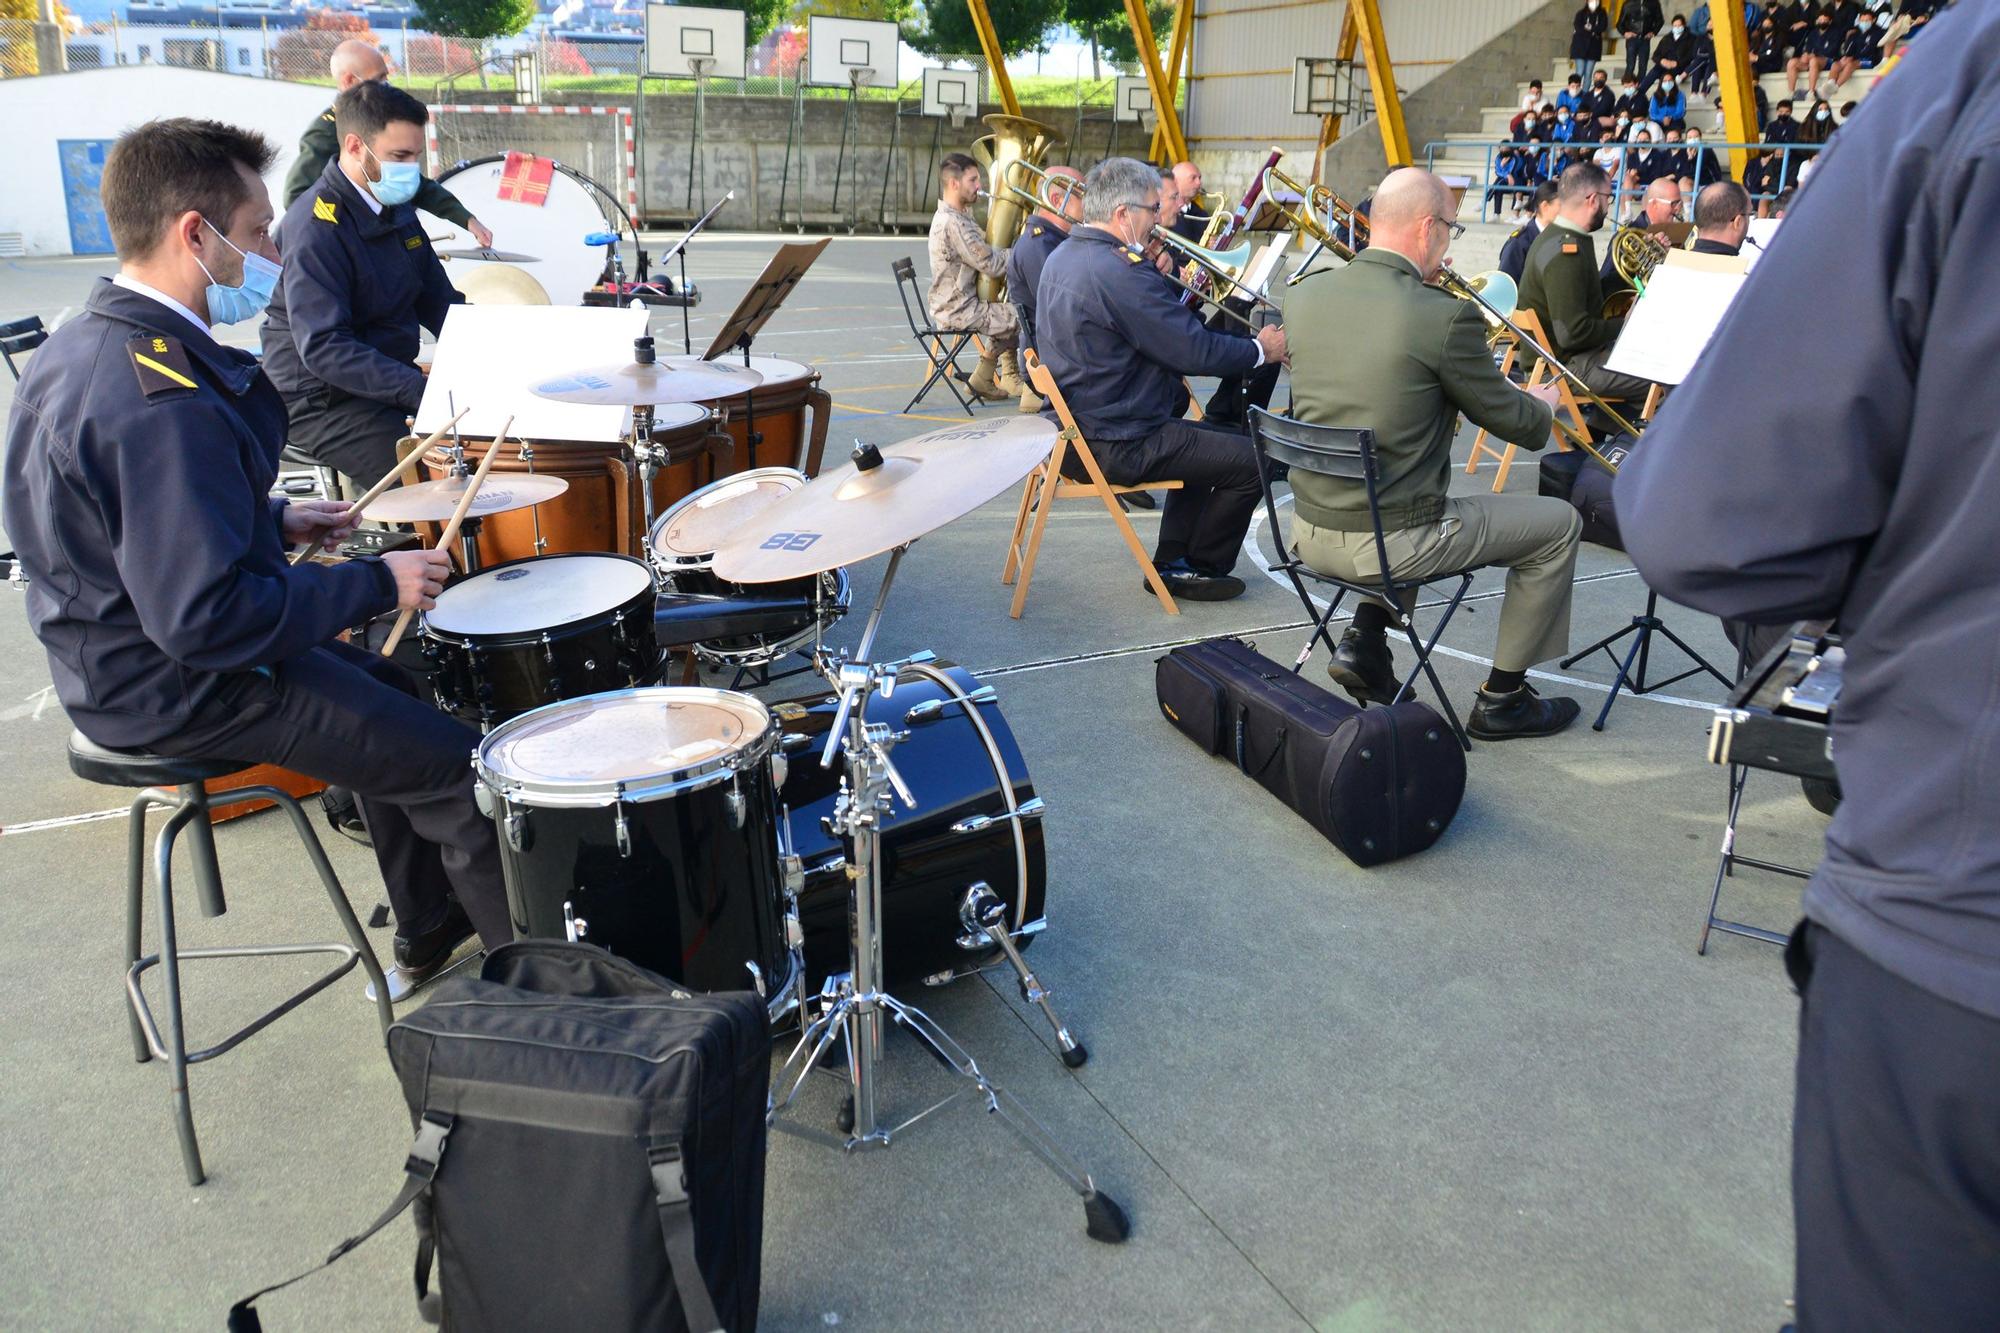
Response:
column 1015, row 140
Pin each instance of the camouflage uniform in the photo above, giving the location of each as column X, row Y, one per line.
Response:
column 959, row 254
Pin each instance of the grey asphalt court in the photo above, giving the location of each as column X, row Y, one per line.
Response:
column 1491, row 1086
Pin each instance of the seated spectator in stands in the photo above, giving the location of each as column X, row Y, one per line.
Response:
column 1674, row 158
column 1760, row 178
column 1783, row 203
column 1639, row 160
column 1819, row 126
column 1794, row 21
column 1781, row 128
column 1860, row 48
column 1541, row 160
column 1919, row 13
column 1668, row 103
column 1513, row 172
column 1571, row 95
column 1721, row 219
column 1533, row 99
column 1675, row 52
column 1514, row 253
column 1846, row 109
column 1767, row 49
column 1815, row 53
column 1701, row 69
column 1564, row 130
column 1600, row 104
column 1661, row 205
column 1610, row 159
column 1586, row 42
column 1631, row 102
column 1703, row 166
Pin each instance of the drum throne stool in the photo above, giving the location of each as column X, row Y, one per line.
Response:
column 180, row 788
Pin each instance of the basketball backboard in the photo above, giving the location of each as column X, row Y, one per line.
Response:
column 678, row 35
column 1134, row 100
column 837, row 50
column 946, row 90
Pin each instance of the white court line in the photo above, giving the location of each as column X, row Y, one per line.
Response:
column 65, row 821
column 1250, row 550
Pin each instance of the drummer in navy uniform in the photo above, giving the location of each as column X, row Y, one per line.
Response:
column 355, row 61
column 139, row 457
column 1119, row 344
column 341, row 339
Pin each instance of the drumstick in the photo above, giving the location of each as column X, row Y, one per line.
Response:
column 450, row 533
column 374, row 493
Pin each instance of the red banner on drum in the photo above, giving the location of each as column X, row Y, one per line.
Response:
column 525, row 179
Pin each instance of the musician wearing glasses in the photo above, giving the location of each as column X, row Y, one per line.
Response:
column 1380, row 348
column 1561, row 284
column 1119, row 344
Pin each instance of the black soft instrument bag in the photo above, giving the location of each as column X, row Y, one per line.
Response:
column 1575, row 476
column 1380, row 783
column 590, row 1147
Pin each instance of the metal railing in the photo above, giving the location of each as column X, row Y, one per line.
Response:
column 1791, row 159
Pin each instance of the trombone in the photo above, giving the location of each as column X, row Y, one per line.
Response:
column 1314, row 200
column 1474, row 290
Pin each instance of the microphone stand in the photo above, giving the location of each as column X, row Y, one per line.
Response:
column 680, row 252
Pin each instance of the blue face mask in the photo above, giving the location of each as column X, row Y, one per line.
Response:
column 399, row 180
column 246, row 300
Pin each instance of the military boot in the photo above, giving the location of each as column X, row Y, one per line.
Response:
column 983, row 385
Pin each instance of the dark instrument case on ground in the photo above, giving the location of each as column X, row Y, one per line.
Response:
column 589, row 1150
column 1380, row 783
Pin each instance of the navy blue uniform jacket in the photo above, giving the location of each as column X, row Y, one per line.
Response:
column 1024, row 269
column 1868, row 486
column 1514, row 254
column 139, row 457
column 355, row 287
column 1118, row 342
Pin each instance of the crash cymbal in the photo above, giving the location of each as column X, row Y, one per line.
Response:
column 649, row 383
column 846, row 515
column 499, row 284
column 435, row 501
column 742, row 378
column 490, row 256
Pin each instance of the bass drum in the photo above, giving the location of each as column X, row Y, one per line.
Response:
column 782, row 422
column 960, row 760
column 602, row 510
column 552, row 230
column 645, row 822
column 514, row 637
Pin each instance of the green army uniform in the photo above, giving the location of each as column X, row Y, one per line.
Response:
column 1373, row 346
column 320, row 144
column 1562, row 285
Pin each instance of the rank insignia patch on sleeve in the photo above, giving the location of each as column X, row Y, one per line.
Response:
column 323, row 209
column 161, row 364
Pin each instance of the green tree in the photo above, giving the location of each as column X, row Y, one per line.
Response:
column 1103, row 24
column 947, row 26
column 476, row 19
column 759, row 16
column 889, row 11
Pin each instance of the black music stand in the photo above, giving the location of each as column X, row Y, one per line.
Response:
column 1642, row 629
column 754, row 311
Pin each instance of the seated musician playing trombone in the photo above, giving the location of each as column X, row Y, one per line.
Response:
column 1560, row 283
column 1048, row 228
column 1379, row 348
column 1118, row 344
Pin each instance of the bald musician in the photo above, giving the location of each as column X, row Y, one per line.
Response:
column 355, row 61
column 1376, row 346
column 1190, row 221
column 1660, row 206
column 1043, row 233
column 1721, row 218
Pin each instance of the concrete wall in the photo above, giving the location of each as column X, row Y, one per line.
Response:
column 102, row 104
column 1450, row 103
column 744, row 146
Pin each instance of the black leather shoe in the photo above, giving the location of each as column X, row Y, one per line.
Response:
column 1363, row 666
column 1140, row 500
column 1188, row 585
column 424, row 954
column 1523, row 713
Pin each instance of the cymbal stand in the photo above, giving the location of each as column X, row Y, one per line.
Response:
column 856, row 1004
column 468, row 532
column 649, row 456
column 535, row 511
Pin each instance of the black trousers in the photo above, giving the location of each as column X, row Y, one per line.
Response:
column 1638, row 54
column 354, row 719
column 1895, row 1149
column 1203, row 522
column 354, row 436
column 1233, row 398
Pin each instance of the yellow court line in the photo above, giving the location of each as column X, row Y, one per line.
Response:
column 872, row 388
column 914, row 416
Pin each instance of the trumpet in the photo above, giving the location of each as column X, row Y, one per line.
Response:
column 1474, row 290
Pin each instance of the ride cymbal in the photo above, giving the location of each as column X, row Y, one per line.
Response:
column 649, row 383
column 844, row 516
column 490, row 256
column 436, row 501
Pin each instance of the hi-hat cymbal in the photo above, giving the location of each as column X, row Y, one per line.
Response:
column 436, row 501
column 846, row 515
column 490, row 256
column 649, row 383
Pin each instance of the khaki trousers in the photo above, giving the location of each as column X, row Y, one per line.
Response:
column 1533, row 537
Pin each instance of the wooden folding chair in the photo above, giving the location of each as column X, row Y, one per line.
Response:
column 1566, row 399
column 1046, row 484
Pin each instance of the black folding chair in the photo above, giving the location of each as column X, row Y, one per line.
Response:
column 1349, row 454
column 941, row 346
column 19, row 338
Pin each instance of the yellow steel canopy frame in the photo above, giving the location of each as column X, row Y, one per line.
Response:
column 1367, row 20
column 1733, row 81
column 989, row 45
column 1180, row 54
column 1169, row 135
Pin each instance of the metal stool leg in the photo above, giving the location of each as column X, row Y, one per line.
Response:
column 342, row 908
column 163, row 856
column 135, row 911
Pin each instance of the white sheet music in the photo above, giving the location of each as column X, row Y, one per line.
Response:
column 1683, row 303
column 488, row 355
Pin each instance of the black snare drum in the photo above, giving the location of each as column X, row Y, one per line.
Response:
column 683, row 542
column 530, row 632
column 956, row 768
column 645, row 821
